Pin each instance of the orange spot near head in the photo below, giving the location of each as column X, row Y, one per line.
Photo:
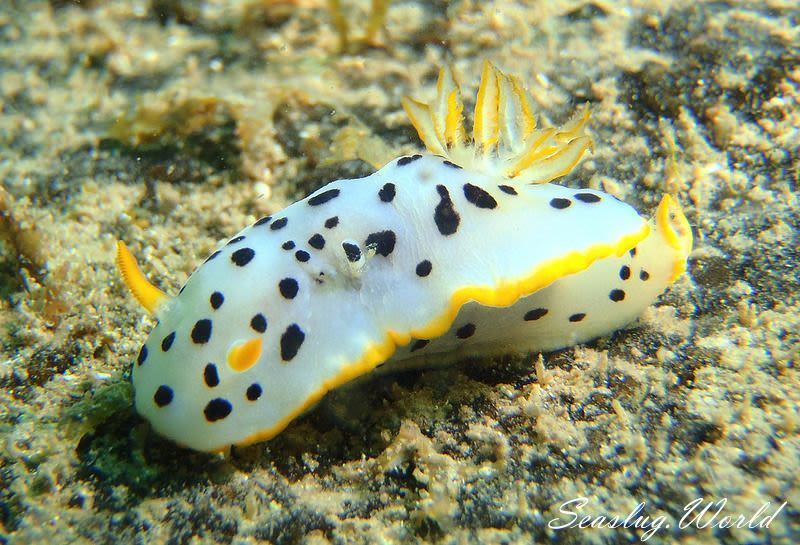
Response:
column 243, row 356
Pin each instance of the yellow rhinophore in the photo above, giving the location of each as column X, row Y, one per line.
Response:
column 674, row 227
column 148, row 295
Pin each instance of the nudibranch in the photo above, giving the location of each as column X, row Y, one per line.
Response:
column 466, row 251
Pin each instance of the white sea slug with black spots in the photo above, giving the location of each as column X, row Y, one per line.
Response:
column 468, row 251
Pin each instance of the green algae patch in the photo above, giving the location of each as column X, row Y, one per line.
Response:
column 115, row 448
column 89, row 413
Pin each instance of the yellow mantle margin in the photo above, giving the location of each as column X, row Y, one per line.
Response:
column 502, row 295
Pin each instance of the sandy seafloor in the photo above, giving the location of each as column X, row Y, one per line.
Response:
column 172, row 124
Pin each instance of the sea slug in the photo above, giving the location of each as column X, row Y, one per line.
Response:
column 467, row 251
